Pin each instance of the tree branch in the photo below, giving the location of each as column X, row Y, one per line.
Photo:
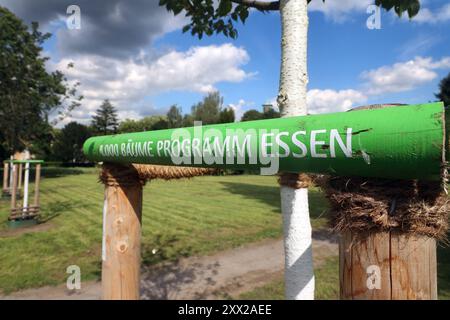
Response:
column 260, row 5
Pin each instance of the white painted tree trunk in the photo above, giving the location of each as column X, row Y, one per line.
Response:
column 299, row 276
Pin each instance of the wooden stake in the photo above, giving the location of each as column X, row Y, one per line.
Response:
column 388, row 266
column 121, row 234
column 37, row 181
column 20, row 177
column 5, row 175
column 14, row 187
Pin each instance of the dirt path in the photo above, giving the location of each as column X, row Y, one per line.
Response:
column 227, row 273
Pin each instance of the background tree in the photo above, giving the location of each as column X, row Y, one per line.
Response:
column 270, row 113
column 208, row 111
column 207, row 18
column 145, row 124
column 28, row 93
column 251, row 115
column 444, row 91
column 105, row 121
column 161, row 124
column 42, row 139
column 227, row 115
column 69, row 141
column 188, row 120
column 174, row 117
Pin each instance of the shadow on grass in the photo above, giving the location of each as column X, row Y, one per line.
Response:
column 52, row 172
column 270, row 195
column 58, row 172
column 57, row 208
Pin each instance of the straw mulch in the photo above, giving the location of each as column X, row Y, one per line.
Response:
column 362, row 205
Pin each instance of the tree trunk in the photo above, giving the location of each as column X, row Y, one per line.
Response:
column 299, row 276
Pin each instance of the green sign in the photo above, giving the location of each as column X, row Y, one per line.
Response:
column 404, row 142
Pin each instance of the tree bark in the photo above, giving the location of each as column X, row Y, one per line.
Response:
column 299, row 276
column 260, row 5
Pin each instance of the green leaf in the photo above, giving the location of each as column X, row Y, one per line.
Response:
column 177, row 9
column 400, row 6
column 243, row 14
column 224, row 8
column 414, row 9
column 186, row 28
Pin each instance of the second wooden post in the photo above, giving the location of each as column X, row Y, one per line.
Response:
column 387, row 266
column 121, row 233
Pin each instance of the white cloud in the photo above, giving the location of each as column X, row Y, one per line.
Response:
column 399, row 77
column 403, row 76
column 240, row 108
column 325, row 101
column 419, row 45
column 127, row 82
column 426, row 15
column 339, row 10
column 329, row 100
column 273, row 102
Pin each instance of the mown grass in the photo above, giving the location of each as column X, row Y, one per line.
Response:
column 180, row 218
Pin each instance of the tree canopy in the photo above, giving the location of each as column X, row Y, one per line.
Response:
column 105, row 120
column 227, row 115
column 253, row 114
column 69, row 142
column 206, row 18
column 144, row 124
column 444, row 91
column 174, row 117
column 208, row 110
column 28, row 92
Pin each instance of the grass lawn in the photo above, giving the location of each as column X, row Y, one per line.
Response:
column 180, row 218
column 326, row 286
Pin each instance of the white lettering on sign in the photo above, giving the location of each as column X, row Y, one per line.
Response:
column 236, row 146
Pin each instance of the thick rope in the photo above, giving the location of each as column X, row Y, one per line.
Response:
column 126, row 175
column 294, row 180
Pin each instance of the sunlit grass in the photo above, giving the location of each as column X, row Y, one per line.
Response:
column 180, row 218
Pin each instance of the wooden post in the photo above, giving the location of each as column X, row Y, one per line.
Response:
column 19, row 186
column 14, row 188
column 121, row 233
column 37, row 181
column 387, row 266
column 5, row 175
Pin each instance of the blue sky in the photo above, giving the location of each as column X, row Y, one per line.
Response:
column 129, row 61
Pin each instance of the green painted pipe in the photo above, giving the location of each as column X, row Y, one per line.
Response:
column 405, row 142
